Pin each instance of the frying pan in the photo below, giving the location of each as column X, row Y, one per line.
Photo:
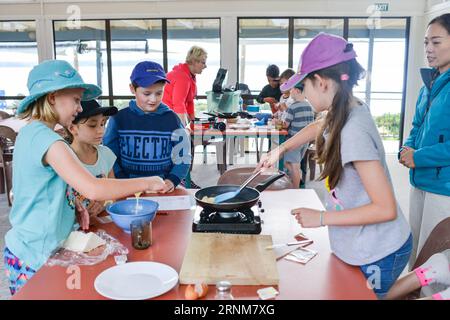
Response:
column 246, row 199
column 223, row 115
column 230, row 115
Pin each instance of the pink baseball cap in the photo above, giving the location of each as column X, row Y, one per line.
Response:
column 324, row 50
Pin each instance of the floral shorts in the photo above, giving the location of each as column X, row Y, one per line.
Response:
column 17, row 272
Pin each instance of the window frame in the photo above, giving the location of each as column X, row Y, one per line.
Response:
column 111, row 96
column 345, row 35
column 12, row 98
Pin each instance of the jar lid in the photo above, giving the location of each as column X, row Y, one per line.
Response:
column 223, row 285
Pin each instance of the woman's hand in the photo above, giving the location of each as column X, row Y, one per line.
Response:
column 82, row 215
column 307, row 218
column 169, row 186
column 407, row 157
column 155, row 184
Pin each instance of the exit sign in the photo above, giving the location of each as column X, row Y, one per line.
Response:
column 383, row 7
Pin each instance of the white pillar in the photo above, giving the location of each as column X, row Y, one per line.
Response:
column 228, row 47
column 44, row 38
column 415, row 62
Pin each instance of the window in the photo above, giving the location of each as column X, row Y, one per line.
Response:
column 182, row 34
column 261, row 42
column 126, row 42
column 305, row 29
column 18, row 55
column 85, row 49
column 380, row 47
column 133, row 41
column 381, row 51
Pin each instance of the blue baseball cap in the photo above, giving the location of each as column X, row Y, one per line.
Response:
column 54, row 75
column 146, row 73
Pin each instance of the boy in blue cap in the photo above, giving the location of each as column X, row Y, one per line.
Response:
column 147, row 137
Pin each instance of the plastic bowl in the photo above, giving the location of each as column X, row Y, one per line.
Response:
column 124, row 212
column 252, row 108
column 263, row 116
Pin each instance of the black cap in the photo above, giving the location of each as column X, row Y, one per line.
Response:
column 93, row 108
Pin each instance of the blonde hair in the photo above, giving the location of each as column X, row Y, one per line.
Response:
column 40, row 110
column 195, row 54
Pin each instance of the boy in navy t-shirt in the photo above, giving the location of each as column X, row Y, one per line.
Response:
column 147, row 137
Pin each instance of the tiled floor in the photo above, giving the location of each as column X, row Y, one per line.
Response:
column 207, row 174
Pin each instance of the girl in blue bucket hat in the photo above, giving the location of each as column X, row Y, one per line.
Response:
column 365, row 223
column 44, row 165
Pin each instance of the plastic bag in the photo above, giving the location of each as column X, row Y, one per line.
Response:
column 63, row 257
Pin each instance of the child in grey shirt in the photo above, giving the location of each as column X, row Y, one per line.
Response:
column 366, row 226
column 297, row 116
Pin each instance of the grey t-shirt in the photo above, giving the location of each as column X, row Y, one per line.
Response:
column 365, row 244
column 298, row 115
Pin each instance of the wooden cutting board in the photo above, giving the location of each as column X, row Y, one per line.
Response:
column 238, row 258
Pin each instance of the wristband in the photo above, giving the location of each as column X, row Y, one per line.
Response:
column 321, row 218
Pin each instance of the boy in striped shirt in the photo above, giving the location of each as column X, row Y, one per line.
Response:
column 297, row 116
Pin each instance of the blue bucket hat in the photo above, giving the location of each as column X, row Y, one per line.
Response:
column 146, row 73
column 54, row 75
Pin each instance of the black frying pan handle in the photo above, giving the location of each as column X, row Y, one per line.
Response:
column 263, row 185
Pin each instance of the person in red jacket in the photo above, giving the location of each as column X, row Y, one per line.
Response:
column 179, row 94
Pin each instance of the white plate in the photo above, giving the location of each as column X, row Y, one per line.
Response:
column 136, row 281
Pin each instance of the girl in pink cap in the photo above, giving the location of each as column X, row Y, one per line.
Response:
column 366, row 225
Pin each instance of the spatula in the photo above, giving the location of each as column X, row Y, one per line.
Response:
column 229, row 195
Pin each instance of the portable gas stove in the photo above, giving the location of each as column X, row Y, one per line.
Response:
column 246, row 221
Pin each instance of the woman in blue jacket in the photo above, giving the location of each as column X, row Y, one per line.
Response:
column 427, row 150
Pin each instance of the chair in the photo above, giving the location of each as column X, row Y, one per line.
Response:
column 218, row 142
column 239, row 175
column 437, row 241
column 5, row 115
column 7, row 140
column 235, row 145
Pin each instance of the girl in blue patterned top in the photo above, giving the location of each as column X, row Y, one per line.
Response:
column 85, row 135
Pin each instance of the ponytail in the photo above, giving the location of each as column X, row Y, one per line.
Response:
column 346, row 76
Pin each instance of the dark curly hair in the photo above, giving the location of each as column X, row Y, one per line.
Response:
column 273, row 71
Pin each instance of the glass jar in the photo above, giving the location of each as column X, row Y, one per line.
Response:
column 223, row 291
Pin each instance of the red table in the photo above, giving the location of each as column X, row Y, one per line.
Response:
column 324, row 277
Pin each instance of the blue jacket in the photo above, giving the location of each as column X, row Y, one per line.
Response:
column 430, row 135
column 148, row 144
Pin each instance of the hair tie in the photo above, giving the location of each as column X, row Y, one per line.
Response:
column 344, row 77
